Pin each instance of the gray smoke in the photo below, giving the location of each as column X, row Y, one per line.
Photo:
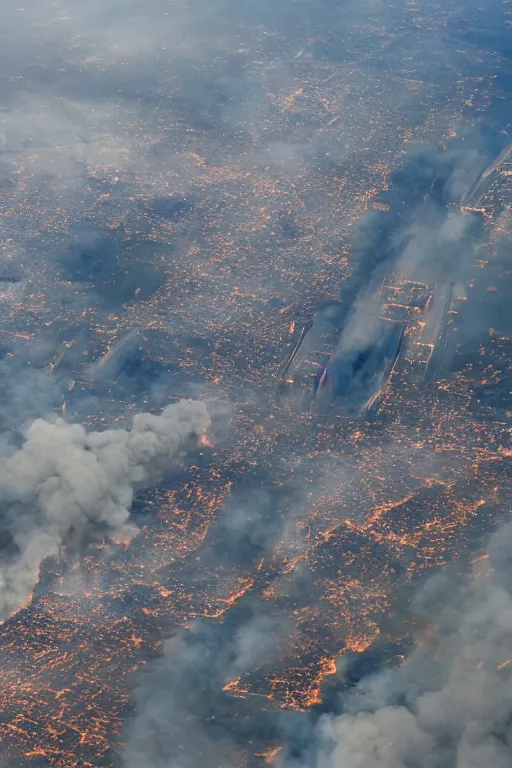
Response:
column 184, row 715
column 63, row 479
column 450, row 704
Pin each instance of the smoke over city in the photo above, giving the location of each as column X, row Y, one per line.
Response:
column 186, row 711
column 449, row 703
column 292, row 220
column 64, row 479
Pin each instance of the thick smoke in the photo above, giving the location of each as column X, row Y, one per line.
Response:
column 64, row 479
column 450, row 703
column 90, row 91
column 185, row 710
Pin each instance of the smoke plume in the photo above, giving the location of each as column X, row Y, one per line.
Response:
column 185, row 713
column 450, row 703
column 64, row 479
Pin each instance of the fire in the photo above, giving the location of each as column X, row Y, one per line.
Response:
column 228, row 602
column 124, row 537
column 232, row 684
column 206, row 442
column 270, row 754
column 327, row 668
column 350, row 587
column 36, row 752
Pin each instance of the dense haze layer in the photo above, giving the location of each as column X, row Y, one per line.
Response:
column 255, row 375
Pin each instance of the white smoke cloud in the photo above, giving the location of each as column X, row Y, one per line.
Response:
column 388, row 738
column 450, row 703
column 64, row 478
column 255, row 642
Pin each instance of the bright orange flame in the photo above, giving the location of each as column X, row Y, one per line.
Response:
column 206, row 442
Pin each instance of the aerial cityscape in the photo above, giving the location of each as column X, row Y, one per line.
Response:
column 256, row 384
